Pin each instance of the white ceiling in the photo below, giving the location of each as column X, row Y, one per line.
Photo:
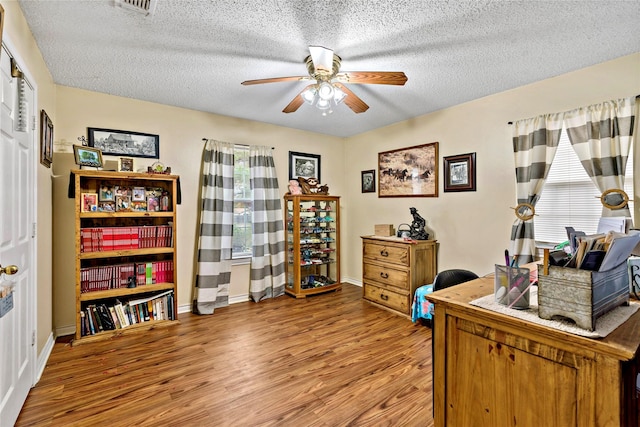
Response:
column 195, row 53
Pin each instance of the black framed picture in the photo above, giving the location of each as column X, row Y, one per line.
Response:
column 460, row 172
column 368, row 181
column 125, row 143
column 304, row 165
column 87, row 156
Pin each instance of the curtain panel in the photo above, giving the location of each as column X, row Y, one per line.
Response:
column 267, row 275
column 216, row 228
column 601, row 136
column 535, row 142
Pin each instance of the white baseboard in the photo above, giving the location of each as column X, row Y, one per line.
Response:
column 65, row 330
column 352, row 281
column 239, row 298
column 43, row 357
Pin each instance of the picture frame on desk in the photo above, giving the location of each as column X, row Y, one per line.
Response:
column 460, row 172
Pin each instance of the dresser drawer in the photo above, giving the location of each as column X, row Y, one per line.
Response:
column 386, row 275
column 387, row 253
column 394, row 300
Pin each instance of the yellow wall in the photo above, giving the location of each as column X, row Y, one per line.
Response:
column 472, row 228
column 17, row 34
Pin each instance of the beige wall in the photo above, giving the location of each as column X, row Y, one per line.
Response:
column 17, row 34
column 181, row 132
column 472, row 228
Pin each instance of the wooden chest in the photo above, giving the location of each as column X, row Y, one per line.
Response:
column 393, row 268
column 581, row 295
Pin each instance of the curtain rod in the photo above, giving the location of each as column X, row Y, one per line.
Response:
column 637, row 97
column 242, row 145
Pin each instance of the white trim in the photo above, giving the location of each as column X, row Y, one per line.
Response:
column 33, row 320
column 43, row 358
column 65, row 330
column 185, row 308
column 352, row 281
column 239, row 298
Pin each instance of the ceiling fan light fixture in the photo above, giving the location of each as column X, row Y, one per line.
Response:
column 309, row 95
column 338, row 95
column 326, row 91
column 323, row 104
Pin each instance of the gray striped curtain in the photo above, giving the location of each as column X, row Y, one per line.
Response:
column 268, row 261
column 535, row 142
column 216, row 228
column 601, row 136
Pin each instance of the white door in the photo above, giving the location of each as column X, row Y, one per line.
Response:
column 17, row 331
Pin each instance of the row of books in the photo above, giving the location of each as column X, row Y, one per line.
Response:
column 106, row 277
column 96, row 318
column 97, row 239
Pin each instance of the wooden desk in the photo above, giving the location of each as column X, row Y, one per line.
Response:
column 495, row 370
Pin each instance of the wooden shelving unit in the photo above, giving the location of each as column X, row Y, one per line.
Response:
column 158, row 254
column 313, row 244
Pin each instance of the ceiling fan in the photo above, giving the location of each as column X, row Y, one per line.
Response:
column 323, row 66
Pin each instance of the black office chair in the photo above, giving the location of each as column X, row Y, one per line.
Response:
column 445, row 279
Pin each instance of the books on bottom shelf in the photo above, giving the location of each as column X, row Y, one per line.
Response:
column 96, row 318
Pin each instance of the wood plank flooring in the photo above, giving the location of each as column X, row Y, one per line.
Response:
column 324, row 361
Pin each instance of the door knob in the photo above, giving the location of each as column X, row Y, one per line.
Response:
column 8, row 270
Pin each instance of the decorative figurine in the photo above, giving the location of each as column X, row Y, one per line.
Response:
column 311, row 186
column 294, row 187
column 417, row 226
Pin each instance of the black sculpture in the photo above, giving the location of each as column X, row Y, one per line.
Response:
column 417, row 226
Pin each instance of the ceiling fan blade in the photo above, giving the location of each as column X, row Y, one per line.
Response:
column 352, row 100
column 275, row 80
column 295, row 102
column 322, row 58
column 373, row 77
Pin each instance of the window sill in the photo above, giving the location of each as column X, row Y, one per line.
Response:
column 241, row 260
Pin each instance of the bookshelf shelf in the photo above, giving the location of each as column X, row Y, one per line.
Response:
column 125, row 233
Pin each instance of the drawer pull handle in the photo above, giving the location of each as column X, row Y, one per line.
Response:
column 384, row 297
column 384, row 275
column 384, row 252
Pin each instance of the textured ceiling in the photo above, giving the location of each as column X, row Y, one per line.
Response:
column 195, row 53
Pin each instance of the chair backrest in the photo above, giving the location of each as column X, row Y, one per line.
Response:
column 452, row 277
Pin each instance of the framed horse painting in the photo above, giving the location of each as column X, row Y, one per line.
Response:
column 409, row 172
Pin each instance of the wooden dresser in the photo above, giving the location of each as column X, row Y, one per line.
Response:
column 496, row 370
column 393, row 268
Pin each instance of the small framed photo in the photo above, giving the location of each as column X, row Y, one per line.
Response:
column 107, row 207
column 304, row 165
column 106, row 193
column 87, row 156
column 153, row 204
column 46, row 139
column 138, row 194
column 125, row 164
column 123, row 191
column 460, row 172
column 89, row 202
column 369, row 181
column 139, row 206
column 123, row 203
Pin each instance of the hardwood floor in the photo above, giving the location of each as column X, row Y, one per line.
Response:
column 328, row 360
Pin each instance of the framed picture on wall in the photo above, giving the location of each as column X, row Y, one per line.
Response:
column 125, row 143
column 460, row 172
column 368, row 181
column 46, row 139
column 304, row 165
column 409, row 172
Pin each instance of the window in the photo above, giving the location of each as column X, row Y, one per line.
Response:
column 242, row 204
column 570, row 198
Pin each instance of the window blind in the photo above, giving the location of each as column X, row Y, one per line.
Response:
column 570, row 198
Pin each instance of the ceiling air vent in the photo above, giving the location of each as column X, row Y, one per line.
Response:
column 145, row 7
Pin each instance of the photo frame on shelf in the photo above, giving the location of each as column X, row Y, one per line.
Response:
column 87, row 156
column 125, row 143
column 106, row 193
column 460, row 172
column 409, row 172
column 89, row 202
column 368, row 181
column 46, row 139
column 304, row 165
column 125, row 164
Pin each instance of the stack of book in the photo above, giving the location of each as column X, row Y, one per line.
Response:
column 97, row 239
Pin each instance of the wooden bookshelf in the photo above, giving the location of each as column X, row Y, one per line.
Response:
column 118, row 244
